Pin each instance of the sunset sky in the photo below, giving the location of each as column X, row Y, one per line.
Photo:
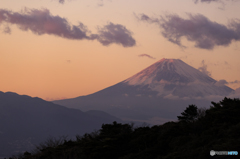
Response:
column 55, row 49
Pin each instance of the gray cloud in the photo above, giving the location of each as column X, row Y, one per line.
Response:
column 61, row 1
column 224, row 82
column 203, row 68
column 146, row 18
column 115, row 33
column 146, row 55
column 209, row 1
column 221, row 83
column 234, row 82
column 42, row 22
column 204, row 33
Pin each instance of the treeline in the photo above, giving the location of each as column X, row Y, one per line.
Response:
column 197, row 132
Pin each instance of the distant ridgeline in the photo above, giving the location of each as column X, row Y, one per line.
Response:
column 199, row 133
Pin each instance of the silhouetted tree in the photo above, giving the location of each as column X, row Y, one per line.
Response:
column 201, row 112
column 190, row 114
column 202, row 130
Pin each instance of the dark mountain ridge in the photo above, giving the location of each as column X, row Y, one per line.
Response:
column 27, row 121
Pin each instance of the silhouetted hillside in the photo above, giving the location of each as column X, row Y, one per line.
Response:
column 27, row 121
column 197, row 132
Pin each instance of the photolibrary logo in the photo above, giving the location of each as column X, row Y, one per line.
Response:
column 212, row 153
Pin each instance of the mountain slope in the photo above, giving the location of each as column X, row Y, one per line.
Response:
column 156, row 95
column 26, row 121
column 173, row 76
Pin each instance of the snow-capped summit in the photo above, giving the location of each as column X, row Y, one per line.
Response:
column 156, row 94
column 176, row 78
column 168, row 71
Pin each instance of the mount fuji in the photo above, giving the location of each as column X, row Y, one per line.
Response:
column 155, row 95
column 174, row 77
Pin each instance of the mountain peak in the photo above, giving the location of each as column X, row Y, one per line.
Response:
column 172, row 76
column 165, row 60
column 170, row 70
column 168, row 60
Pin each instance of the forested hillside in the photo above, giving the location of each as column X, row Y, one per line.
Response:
column 194, row 135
